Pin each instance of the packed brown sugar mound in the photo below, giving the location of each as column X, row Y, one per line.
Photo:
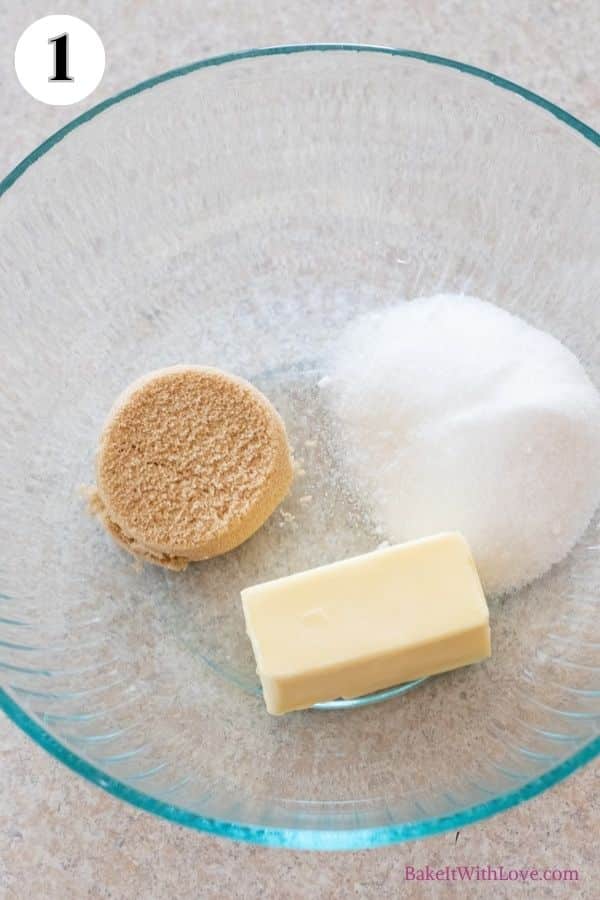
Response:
column 191, row 462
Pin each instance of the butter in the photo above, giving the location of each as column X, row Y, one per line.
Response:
column 367, row 623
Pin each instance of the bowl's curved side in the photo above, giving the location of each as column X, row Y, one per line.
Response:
column 497, row 80
column 298, row 839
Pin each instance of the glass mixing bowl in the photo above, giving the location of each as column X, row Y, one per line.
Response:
column 238, row 212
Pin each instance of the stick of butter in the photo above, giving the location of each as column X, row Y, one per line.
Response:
column 367, row 623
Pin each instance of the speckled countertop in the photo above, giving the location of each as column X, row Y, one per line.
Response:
column 62, row 838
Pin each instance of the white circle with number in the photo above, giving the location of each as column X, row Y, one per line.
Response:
column 59, row 60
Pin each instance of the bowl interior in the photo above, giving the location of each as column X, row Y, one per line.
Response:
column 239, row 215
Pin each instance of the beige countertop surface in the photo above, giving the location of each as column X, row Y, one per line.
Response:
column 62, row 838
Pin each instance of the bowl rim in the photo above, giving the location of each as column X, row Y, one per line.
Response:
column 295, row 838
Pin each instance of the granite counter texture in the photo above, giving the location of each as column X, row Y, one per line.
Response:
column 60, row 837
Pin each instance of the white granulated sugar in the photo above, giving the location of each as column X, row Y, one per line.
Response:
column 452, row 414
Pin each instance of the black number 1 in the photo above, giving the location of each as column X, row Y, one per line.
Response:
column 61, row 52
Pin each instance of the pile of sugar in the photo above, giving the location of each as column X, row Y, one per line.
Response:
column 454, row 414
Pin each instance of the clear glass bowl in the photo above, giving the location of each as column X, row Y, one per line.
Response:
column 237, row 212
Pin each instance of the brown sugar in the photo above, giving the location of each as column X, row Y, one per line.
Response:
column 191, row 462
